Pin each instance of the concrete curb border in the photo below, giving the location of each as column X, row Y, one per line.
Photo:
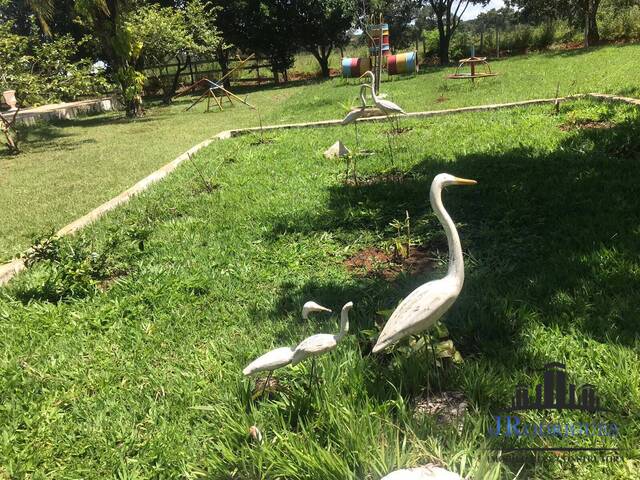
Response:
column 9, row 270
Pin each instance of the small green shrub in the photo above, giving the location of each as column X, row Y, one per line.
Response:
column 45, row 72
column 543, row 35
column 78, row 267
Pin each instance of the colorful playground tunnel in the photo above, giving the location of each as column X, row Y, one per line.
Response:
column 354, row 67
column 402, row 64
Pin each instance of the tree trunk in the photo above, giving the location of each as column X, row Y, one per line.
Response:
column 594, row 35
column 443, row 43
column 170, row 92
column 322, row 56
column 324, row 67
column 443, row 50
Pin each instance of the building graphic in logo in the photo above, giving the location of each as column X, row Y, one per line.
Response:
column 554, row 394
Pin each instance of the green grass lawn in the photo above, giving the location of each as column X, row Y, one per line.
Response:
column 123, row 346
column 70, row 167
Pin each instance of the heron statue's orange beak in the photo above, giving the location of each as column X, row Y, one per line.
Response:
column 464, row 181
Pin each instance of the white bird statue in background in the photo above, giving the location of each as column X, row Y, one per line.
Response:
column 387, row 106
column 322, row 342
column 428, row 472
column 427, row 303
column 356, row 113
column 311, row 307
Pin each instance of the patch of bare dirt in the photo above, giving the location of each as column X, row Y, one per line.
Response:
column 586, row 125
column 296, row 76
column 568, row 46
column 377, row 263
column 265, row 387
column 105, row 284
column 442, row 99
column 448, row 407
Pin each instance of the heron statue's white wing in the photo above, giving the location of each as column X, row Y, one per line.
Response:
column 419, row 311
column 390, row 107
column 270, row 361
column 352, row 116
column 313, row 345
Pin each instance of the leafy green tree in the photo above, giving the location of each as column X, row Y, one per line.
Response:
column 272, row 33
column 322, row 26
column 579, row 13
column 169, row 33
column 264, row 27
column 43, row 10
column 44, row 72
column 107, row 21
column 424, row 22
column 400, row 15
column 448, row 14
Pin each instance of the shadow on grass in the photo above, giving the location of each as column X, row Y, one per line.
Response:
column 550, row 237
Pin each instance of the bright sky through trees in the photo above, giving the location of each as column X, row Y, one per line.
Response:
column 473, row 10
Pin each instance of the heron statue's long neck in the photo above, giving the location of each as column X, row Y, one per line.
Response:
column 363, row 98
column 344, row 323
column 373, row 83
column 456, row 262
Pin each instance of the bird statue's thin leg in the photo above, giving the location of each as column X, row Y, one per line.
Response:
column 313, row 367
column 264, row 385
column 355, row 125
column 435, row 365
column 426, row 356
column 389, row 141
column 355, row 172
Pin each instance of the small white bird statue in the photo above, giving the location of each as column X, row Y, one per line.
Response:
column 279, row 357
column 270, row 361
column 387, row 106
column 311, row 307
column 322, row 342
column 356, row 113
column 427, row 303
column 428, row 472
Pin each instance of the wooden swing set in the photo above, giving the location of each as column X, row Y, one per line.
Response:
column 216, row 90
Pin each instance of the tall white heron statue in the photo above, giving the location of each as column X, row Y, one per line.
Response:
column 427, row 303
column 279, row 357
column 428, row 472
column 322, row 342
